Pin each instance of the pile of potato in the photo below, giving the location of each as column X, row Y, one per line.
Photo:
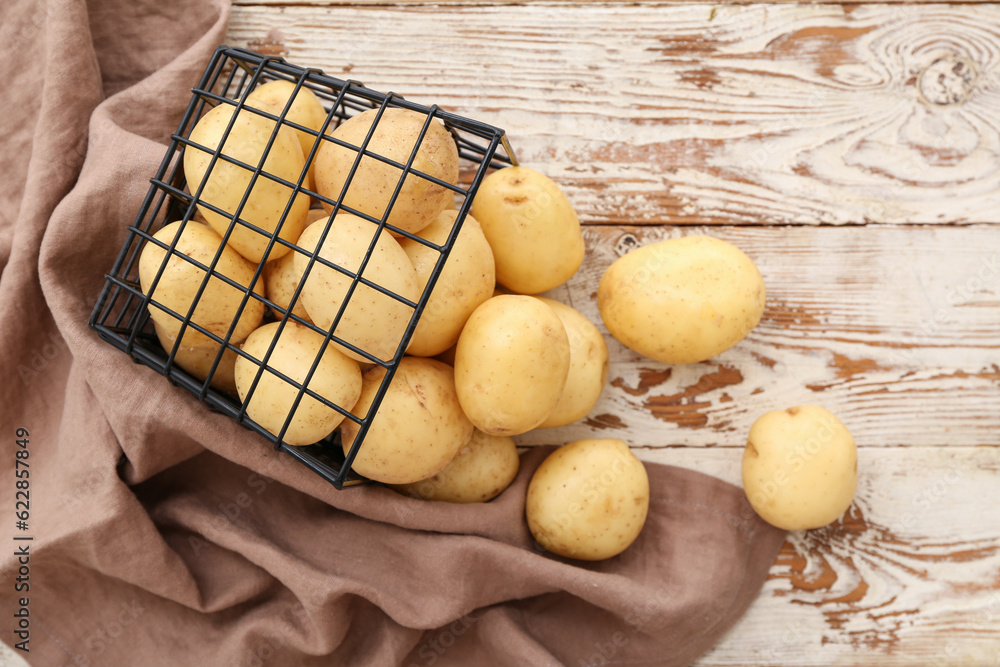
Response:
column 487, row 360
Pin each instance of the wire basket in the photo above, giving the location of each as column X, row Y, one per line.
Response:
column 122, row 313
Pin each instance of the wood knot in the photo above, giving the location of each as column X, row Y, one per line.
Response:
column 948, row 80
column 626, row 243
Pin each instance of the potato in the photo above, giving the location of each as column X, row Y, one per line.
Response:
column 800, row 467
column 373, row 321
column 480, row 472
column 682, row 300
column 588, row 499
column 337, row 379
column 306, row 110
column 197, row 361
column 466, row 281
column 588, row 366
column 373, row 184
column 281, row 279
column 511, row 364
column 219, row 303
column 227, row 183
column 532, row 228
column 419, row 426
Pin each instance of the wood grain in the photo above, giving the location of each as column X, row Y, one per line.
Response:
column 853, row 151
column 909, row 577
column 700, row 113
column 567, row 3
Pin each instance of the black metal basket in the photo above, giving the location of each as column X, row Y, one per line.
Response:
column 121, row 315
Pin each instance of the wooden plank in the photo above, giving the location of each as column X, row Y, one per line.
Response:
column 908, row 577
column 895, row 329
column 567, row 3
column 702, row 113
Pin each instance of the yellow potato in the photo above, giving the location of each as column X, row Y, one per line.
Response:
column 511, row 364
column 588, row 499
column 227, row 183
column 480, row 472
column 219, row 303
column 281, row 279
column 800, row 467
column 337, row 379
column 306, row 109
column 682, row 300
column 588, row 366
column 466, row 281
column 373, row 321
column 198, row 361
column 420, row 200
column 532, row 228
column 419, row 426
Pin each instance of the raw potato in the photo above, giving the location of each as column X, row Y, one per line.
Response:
column 178, row 286
column 281, row 279
column 419, row 426
column 306, row 109
column 532, row 228
column 337, row 379
column 395, row 136
column 373, row 321
column 800, row 467
column 588, row 366
column 198, row 361
column 682, row 300
column 467, row 280
column 511, row 364
column 588, row 499
column 228, row 182
column 481, row 471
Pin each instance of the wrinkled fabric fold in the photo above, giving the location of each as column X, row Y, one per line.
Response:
column 164, row 534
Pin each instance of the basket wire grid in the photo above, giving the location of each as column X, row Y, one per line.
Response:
column 121, row 314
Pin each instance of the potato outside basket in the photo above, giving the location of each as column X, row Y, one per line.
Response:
column 121, row 314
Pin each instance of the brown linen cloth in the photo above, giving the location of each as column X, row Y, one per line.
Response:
column 164, row 534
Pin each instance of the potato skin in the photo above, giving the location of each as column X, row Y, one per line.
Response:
column 419, row 427
column 800, row 467
column 179, row 284
column 198, row 361
column 682, row 300
column 374, row 182
column 373, row 321
column 306, row 109
column 588, row 366
column 228, row 182
column 588, row 499
column 531, row 226
column 480, row 472
column 467, row 280
column 511, row 364
column 337, row 379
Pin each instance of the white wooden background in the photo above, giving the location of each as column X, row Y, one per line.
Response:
column 853, row 151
